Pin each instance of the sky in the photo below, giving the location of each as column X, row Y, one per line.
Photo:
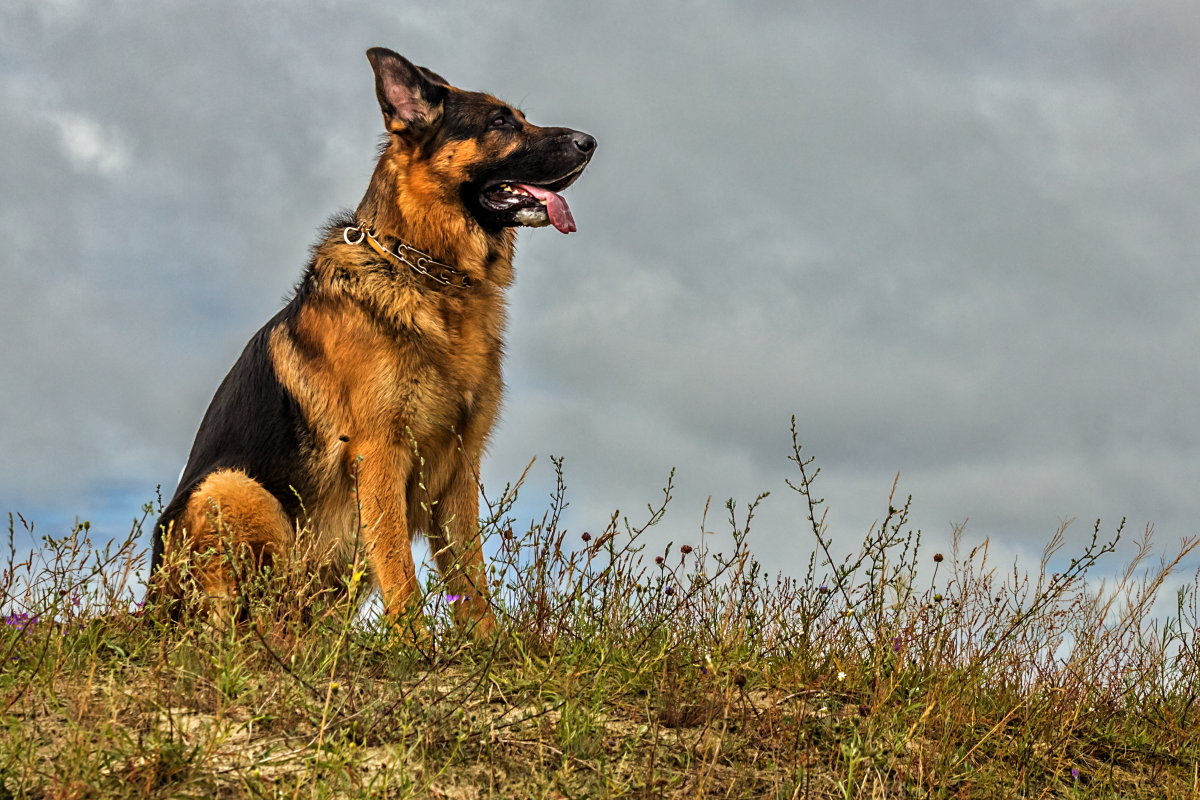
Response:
column 957, row 241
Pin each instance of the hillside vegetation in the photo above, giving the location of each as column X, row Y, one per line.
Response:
column 619, row 672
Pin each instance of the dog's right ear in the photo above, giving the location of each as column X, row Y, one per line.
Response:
column 409, row 96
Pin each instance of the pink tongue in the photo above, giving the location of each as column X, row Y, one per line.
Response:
column 560, row 212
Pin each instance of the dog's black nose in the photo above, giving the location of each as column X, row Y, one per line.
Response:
column 585, row 143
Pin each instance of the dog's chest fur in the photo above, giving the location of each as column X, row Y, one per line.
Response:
column 377, row 360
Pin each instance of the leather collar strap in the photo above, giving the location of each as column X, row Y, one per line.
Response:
column 419, row 262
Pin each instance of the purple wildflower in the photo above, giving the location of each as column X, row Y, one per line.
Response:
column 1075, row 773
column 669, row 590
column 453, row 598
column 21, row 620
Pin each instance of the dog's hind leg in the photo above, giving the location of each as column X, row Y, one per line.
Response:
column 230, row 522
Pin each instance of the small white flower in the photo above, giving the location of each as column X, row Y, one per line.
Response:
column 841, row 676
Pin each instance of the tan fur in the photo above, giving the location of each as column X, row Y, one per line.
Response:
column 381, row 404
column 230, row 515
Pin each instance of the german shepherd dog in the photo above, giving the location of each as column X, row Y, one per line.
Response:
column 361, row 410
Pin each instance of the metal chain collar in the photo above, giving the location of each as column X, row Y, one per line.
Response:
column 416, row 260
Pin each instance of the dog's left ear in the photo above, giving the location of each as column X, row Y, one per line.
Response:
column 409, row 96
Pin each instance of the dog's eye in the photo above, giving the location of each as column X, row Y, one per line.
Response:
column 500, row 121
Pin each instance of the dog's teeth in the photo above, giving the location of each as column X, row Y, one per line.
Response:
column 510, row 189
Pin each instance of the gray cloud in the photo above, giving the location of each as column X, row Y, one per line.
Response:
column 956, row 240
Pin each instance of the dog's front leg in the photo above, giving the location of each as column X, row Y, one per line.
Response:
column 383, row 472
column 454, row 538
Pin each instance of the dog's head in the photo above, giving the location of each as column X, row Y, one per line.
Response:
column 448, row 145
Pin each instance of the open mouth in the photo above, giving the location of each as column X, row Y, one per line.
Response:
column 531, row 204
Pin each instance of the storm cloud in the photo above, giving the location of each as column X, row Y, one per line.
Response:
column 956, row 240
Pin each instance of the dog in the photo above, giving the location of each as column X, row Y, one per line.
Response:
column 359, row 413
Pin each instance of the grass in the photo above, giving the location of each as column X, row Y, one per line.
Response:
column 618, row 673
